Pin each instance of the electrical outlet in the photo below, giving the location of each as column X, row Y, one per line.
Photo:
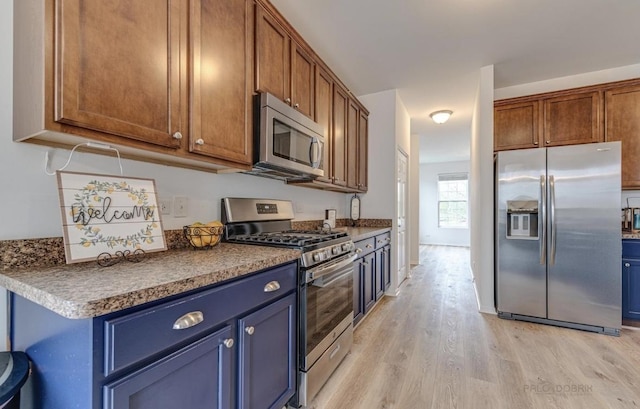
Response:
column 180, row 206
column 165, row 206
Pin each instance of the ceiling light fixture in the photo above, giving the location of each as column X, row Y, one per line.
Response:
column 441, row 117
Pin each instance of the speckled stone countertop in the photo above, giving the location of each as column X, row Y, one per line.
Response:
column 361, row 233
column 631, row 235
column 87, row 290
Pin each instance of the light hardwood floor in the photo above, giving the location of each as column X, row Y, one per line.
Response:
column 430, row 348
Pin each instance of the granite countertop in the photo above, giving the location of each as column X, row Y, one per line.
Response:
column 87, row 290
column 626, row 235
column 361, row 233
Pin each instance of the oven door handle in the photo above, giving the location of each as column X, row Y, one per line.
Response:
column 314, row 274
column 319, row 282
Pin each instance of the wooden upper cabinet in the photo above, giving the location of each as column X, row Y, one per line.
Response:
column 323, row 114
column 283, row 67
column 516, row 126
column 121, row 68
column 353, row 114
column 302, row 80
column 363, row 148
column 622, row 123
column 572, row 119
column 339, row 145
column 221, row 79
column 272, row 56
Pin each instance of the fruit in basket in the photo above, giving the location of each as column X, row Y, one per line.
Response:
column 202, row 235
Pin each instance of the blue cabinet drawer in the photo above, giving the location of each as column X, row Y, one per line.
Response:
column 366, row 246
column 383, row 239
column 631, row 248
column 136, row 336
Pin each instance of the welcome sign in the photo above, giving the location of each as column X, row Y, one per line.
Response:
column 108, row 214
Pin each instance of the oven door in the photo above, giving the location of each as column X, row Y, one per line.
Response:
column 328, row 295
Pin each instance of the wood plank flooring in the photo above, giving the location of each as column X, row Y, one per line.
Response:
column 430, row 348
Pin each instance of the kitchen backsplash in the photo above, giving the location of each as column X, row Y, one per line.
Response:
column 50, row 251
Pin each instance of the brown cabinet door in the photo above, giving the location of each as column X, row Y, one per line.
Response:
column 353, row 114
column 221, row 75
column 302, row 79
column 622, row 123
column 572, row 119
column 363, row 146
column 339, row 154
column 121, row 68
column 516, row 126
column 272, row 56
column 323, row 114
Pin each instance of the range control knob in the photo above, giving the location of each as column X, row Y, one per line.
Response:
column 335, row 250
column 316, row 257
column 346, row 247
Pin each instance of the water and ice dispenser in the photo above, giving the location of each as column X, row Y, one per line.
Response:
column 522, row 219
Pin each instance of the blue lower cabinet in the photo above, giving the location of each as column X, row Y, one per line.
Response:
column 195, row 377
column 231, row 345
column 369, row 281
column 631, row 289
column 267, row 369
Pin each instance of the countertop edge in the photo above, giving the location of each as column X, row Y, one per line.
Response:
column 109, row 304
column 357, row 234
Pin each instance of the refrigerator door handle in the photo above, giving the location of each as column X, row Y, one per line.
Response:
column 542, row 225
column 552, row 214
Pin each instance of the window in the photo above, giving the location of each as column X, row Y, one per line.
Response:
column 453, row 192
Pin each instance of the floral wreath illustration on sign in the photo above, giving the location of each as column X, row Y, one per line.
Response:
column 84, row 209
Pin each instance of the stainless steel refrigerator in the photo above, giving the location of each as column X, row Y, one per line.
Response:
column 558, row 236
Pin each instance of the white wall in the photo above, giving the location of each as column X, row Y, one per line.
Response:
column 573, row 81
column 430, row 233
column 481, row 192
column 6, row 97
column 414, row 201
column 389, row 129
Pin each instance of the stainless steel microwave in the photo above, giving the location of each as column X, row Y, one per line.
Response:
column 289, row 144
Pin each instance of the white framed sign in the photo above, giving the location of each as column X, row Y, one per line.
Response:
column 108, row 214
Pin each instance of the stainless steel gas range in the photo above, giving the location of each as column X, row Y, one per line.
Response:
column 325, row 301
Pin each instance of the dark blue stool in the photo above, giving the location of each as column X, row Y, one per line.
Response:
column 14, row 371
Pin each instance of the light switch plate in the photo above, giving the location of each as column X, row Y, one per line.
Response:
column 180, row 206
column 165, row 206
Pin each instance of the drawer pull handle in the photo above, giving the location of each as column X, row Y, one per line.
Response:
column 334, row 352
column 271, row 286
column 189, row 320
column 368, row 246
column 249, row 330
column 358, row 250
column 627, row 264
column 388, row 239
column 228, row 342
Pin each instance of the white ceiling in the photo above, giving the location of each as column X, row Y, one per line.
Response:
column 432, row 50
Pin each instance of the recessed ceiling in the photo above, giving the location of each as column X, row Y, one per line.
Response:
column 431, row 51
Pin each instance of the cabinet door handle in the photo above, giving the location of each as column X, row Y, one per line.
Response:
column 358, row 250
column 249, row 330
column 288, row 101
column 296, row 106
column 189, row 320
column 366, row 263
column 388, row 239
column 271, row 286
column 177, row 135
column 548, row 142
column 380, row 241
column 200, row 141
column 228, row 342
column 627, row 265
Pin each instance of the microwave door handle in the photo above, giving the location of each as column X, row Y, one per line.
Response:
column 315, row 153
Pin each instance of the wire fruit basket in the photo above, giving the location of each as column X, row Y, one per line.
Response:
column 203, row 237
